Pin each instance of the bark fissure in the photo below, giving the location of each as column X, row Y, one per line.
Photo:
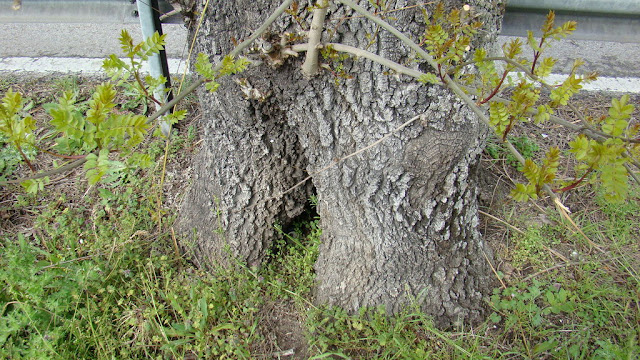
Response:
column 399, row 219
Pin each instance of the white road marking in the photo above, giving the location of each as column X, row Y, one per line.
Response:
column 66, row 65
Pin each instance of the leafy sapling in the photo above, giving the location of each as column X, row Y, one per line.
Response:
column 122, row 71
column 229, row 66
column 443, row 46
column 90, row 131
column 602, row 158
column 16, row 126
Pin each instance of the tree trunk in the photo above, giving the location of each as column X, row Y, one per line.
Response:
column 399, row 220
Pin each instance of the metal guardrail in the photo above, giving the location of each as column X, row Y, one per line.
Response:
column 73, row 11
column 603, row 20
column 594, row 7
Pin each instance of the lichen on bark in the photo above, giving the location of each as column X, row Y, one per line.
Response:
column 399, row 220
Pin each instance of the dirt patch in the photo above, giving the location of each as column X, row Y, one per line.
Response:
column 283, row 330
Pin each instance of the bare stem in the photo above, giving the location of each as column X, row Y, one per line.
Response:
column 497, row 88
column 24, row 157
column 449, row 83
column 61, row 169
column 235, row 52
column 365, row 54
column 310, row 66
column 144, row 88
column 536, row 54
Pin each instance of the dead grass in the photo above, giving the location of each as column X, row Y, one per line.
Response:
column 281, row 321
column 497, row 177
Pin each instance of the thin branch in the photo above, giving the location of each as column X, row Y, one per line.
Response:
column 496, row 89
column 632, row 173
column 566, row 264
column 537, row 53
column 418, row 74
column 144, row 88
column 310, row 66
column 450, row 83
column 428, row 58
column 235, row 52
column 367, row 55
column 385, row 12
column 502, row 221
column 596, row 134
column 495, row 272
column 24, row 157
column 61, row 169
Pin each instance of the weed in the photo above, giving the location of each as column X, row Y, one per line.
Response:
column 94, row 283
column 6, row 81
column 10, row 157
column 527, row 147
column 291, row 261
column 530, row 249
column 66, row 84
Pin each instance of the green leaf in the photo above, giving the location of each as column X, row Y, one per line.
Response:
column 543, row 114
column 126, row 43
column 620, row 109
column 175, row 117
column 562, row 94
column 212, row 85
column 549, row 22
column 522, row 192
column 101, row 103
column 33, row 186
column 544, row 67
column 512, row 48
column 141, row 161
column 533, row 43
column 580, row 147
column 495, row 318
column 565, row 30
column 204, row 67
column 231, row 66
column 151, row 46
column 550, row 166
column 100, row 168
column 67, row 118
column 15, row 124
column 430, row 78
column 531, row 171
column 545, row 346
column 615, row 182
column 614, row 127
column 115, row 67
column 499, row 117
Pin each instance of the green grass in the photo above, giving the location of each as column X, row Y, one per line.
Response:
column 96, row 282
column 90, row 276
column 525, row 146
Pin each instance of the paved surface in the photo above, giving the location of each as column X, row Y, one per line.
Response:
column 80, row 48
column 75, row 48
column 616, row 62
column 83, row 40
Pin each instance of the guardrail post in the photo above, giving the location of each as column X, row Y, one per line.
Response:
column 149, row 13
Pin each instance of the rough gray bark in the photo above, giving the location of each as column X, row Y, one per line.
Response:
column 399, row 221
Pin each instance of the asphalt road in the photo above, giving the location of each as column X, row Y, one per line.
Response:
column 80, row 48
